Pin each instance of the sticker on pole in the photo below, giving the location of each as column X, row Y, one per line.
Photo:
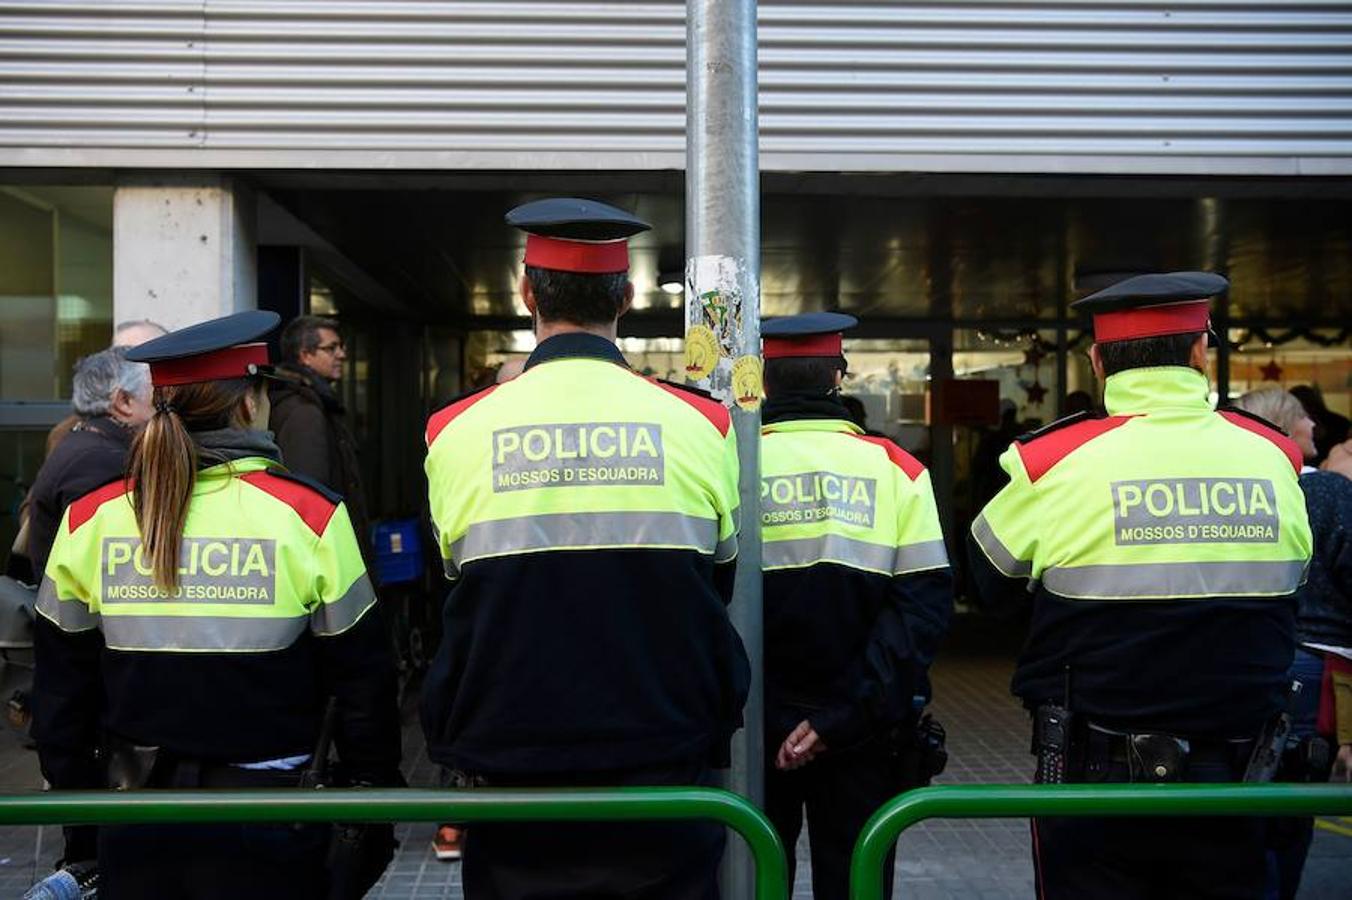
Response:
column 722, row 339
column 746, row 382
column 701, row 353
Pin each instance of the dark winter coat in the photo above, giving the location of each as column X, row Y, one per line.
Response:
column 92, row 454
column 308, row 421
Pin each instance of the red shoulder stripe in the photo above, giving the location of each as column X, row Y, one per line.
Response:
column 900, row 458
column 313, row 507
column 1041, row 454
column 1284, row 443
column 715, row 412
column 442, row 417
column 82, row 510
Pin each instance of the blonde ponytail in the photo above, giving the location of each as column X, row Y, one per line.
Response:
column 163, row 466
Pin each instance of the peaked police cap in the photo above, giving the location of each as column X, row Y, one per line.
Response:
column 806, row 335
column 570, row 234
column 1153, row 305
column 215, row 350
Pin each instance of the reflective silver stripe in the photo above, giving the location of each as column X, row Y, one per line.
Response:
column 68, row 615
column 341, row 614
column 201, row 634
column 919, row 557
column 576, row 531
column 799, row 552
column 997, row 552
column 726, row 549
column 1177, row 579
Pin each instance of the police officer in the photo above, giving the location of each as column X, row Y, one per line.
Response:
column 587, row 517
column 858, row 595
column 1162, row 544
column 193, row 622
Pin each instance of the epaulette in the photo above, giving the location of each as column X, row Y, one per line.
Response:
column 83, row 509
column 913, row 467
column 703, row 401
column 315, row 504
column 1260, row 426
column 1063, row 422
column 1042, row 449
column 1235, row 410
column 698, row 392
column 438, row 421
column 313, row 484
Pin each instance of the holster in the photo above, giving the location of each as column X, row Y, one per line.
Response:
column 1310, row 759
column 920, row 751
column 1158, row 758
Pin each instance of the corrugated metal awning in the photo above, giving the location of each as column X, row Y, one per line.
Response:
column 1193, row 86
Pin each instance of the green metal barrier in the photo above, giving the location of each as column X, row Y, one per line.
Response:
column 410, row 805
column 1008, row 801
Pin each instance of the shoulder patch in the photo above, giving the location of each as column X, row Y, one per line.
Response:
column 1043, row 449
column 82, row 510
column 313, row 506
column 711, row 409
column 1263, row 428
column 899, row 457
column 438, row 421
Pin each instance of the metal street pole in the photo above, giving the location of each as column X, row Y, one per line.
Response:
column 722, row 306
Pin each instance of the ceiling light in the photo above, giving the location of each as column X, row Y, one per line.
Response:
column 671, row 283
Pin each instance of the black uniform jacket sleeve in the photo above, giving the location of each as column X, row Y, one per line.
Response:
column 358, row 669
column 900, row 648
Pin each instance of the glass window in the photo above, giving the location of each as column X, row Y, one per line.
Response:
column 56, row 285
column 1279, row 358
column 891, row 378
column 21, row 454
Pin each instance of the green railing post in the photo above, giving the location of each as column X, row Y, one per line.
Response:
column 1007, row 801
column 413, row 805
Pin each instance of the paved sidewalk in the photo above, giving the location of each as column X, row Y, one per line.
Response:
column 980, row 859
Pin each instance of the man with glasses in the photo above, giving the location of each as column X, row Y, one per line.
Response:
column 308, row 415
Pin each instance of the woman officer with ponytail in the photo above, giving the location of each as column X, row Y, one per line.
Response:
column 195, row 619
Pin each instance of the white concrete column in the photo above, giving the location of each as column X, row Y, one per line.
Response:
column 184, row 248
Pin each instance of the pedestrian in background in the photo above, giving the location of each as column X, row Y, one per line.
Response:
column 126, row 335
column 111, row 401
column 1323, row 631
column 309, row 419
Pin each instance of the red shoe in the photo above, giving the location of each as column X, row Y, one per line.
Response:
column 446, row 845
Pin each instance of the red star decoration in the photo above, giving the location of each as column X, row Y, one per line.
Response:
column 1272, row 371
column 1033, row 356
column 1036, row 393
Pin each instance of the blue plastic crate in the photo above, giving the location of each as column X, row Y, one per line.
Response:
column 399, row 551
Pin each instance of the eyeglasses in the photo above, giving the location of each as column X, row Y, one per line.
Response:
column 335, row 347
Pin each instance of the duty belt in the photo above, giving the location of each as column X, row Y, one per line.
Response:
column 1155, row 757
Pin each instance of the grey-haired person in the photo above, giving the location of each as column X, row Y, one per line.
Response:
column 111, row 401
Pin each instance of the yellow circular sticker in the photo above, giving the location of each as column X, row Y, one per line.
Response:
column 701, row 352
column 746, row 382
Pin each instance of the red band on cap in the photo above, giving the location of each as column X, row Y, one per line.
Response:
column 807, row 345
column 561, row 255
column 1152, row 321
column 218, row 365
